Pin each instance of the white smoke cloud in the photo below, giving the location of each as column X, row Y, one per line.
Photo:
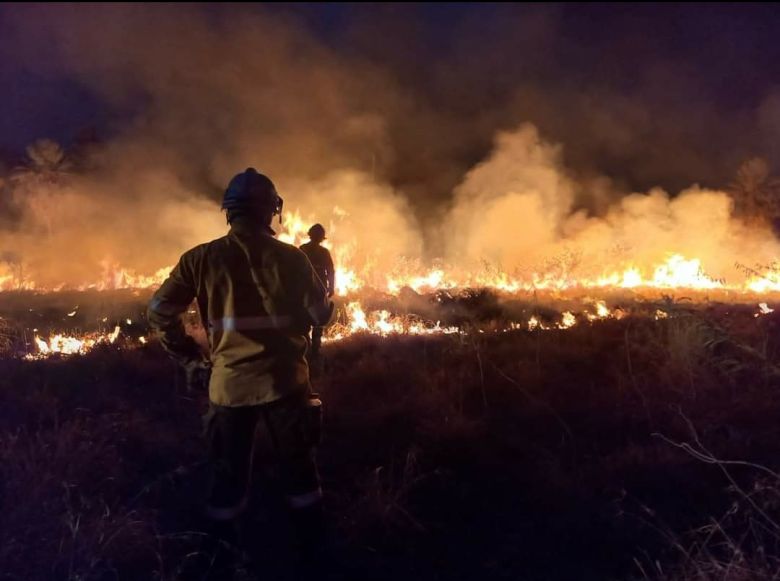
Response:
column 516, row 210
column 508, row 209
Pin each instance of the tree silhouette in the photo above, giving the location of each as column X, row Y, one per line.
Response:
column 46, row 161
column 756, row 193
column 37, row 186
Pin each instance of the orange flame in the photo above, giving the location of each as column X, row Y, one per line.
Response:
column 71, row 344
column 352, row 276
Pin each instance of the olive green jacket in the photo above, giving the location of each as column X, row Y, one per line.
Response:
column 258, row 298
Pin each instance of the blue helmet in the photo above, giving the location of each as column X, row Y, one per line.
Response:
column 252, row 191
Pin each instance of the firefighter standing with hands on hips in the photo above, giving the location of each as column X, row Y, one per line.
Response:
column 258, row 298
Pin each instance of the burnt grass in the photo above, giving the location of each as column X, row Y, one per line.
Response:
column 519, row 455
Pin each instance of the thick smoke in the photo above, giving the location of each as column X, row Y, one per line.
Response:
column 384, row 135
column 77, row 231
column 509, row 208
column 216, row 97
column 515, row 210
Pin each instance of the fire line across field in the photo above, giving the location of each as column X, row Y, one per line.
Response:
column 37, row 325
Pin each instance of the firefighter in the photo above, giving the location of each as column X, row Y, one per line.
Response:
column 323, row 265
column 258, row 298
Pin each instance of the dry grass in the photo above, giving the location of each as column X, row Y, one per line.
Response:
column 6, row 336
column 507, row 456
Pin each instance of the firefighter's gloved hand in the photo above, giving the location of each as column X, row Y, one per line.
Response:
column 198, row 374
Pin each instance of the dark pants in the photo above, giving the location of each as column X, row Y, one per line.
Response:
column 316, row 341
column 280, row 430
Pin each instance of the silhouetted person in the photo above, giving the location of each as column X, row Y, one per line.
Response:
column 258, row 299
column 323, row 265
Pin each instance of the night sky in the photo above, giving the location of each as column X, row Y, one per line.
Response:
column 702, row 78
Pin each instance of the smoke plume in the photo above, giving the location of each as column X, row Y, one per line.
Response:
column 487, row 145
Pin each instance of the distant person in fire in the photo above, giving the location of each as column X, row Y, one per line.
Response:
column 258, row 299
column 323, row 265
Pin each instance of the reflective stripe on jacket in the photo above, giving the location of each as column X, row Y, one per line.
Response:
column 257, row 298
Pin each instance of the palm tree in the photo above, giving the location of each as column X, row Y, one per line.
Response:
column 37, row 185
column 45, row 160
